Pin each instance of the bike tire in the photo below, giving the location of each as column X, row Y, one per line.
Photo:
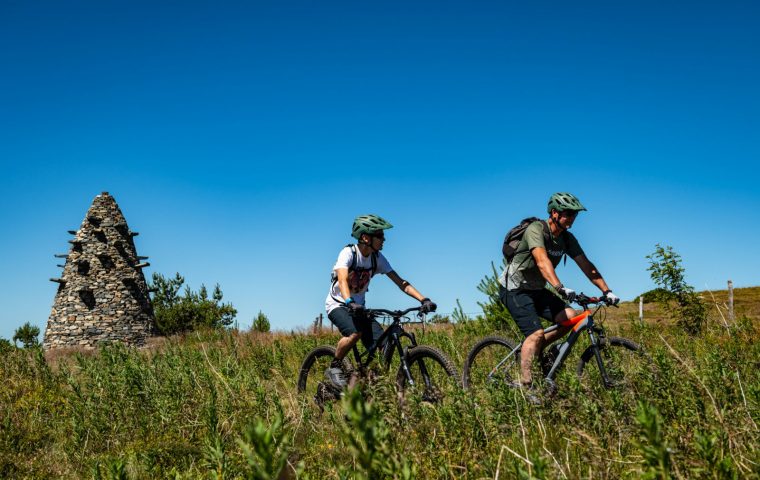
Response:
column 623, row 360
column 441, row 372
column 312, row 368
column 484, row 358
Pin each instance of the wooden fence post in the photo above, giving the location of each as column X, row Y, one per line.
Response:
column 641, row 308
column 731, row 301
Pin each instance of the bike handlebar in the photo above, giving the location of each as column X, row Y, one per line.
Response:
column 584, row 300
column 393, row 313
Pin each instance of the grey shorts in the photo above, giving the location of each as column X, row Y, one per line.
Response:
column 348, row 325
column 527, row 307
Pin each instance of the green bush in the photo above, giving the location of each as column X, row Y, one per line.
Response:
column 495, row 312
column 678, row 298
column 27, row 334
column 181, row 313
column 260, row 323
column 656, row 295
column 5, row 345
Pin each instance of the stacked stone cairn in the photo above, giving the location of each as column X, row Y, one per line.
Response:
column 102, row 293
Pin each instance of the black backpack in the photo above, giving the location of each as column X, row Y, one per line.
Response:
column 352, row 267
column 515, row 235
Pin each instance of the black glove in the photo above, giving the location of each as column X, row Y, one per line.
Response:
column 353, row 307
column 428, row 306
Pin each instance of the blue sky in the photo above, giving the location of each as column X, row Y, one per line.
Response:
column 241, row 139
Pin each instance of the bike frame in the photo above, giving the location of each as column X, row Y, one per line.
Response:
column 394, row 333
column 579, row 323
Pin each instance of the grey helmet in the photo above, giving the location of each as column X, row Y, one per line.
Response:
column 564, row 201
column 368, row 224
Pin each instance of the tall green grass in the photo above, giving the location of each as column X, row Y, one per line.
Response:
column 221, row 404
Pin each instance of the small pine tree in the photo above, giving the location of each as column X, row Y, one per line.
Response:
column 5, row 345
column 260, row 323
column 677, row 297
column 494, row 310
column 27, row 334
column 180, row 313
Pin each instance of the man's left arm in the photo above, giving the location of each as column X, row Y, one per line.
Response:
column 591, row 272
column 405, row 286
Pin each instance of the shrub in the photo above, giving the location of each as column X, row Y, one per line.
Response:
column 677, row 297
column 655, row 295
column 27, row 334
column 180, row 313
column 496, row 313
column 260, row 323
column 5, row 345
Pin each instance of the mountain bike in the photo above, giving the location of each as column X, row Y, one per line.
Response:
column 424, row 372
column 496, row 360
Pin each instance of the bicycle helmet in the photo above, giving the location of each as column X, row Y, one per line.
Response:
column 368, row 224
column 564, row 201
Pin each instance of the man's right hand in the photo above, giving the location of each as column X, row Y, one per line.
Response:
column 354, row 307
column 566, row 293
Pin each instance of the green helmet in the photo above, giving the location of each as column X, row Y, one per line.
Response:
column 564, row 201
column 368, row 224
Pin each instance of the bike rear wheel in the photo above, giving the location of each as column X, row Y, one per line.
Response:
column 624, row 361
column 433, row 374
column 490, row 362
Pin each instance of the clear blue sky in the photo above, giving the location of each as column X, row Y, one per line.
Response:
column 241, row 139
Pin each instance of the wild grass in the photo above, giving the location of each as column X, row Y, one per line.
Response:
column 223, row 404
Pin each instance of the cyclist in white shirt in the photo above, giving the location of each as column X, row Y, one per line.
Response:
column 355, row 267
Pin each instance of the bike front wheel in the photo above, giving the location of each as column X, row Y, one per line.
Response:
column 492, row 362
column 622, row 361
column 433, row 376
column 311, row 376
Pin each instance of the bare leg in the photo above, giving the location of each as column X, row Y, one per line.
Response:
column 533, row 344
column 561, row 331
column 345, row 344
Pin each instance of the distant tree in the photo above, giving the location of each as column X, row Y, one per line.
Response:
column 27, row 334
column 180, row 313
column 655, row 295
column 495, row 312
column 5, row 345
column 260, row 323
column 678, row 298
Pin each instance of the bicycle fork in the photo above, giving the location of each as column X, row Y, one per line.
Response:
column 404, row 365
column 596, row 348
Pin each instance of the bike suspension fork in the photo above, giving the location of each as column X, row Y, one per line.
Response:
column 596, row 347
column 401, row 355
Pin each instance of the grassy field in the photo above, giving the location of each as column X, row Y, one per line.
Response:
column 224, row 405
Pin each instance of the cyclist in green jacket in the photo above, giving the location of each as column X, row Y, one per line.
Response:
column 355, row 267
column 524, row 281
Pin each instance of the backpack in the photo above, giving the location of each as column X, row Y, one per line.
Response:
column 514, row 237
column 352, row 267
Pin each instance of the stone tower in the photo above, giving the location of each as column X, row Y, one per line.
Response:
column 102, row 294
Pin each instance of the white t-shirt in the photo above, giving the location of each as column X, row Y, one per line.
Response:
column 358, row 279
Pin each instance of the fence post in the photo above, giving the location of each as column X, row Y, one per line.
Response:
column 731, row 301
column 641, row 308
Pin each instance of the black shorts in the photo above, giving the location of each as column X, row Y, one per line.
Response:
column 348, row 325
column 527, row 307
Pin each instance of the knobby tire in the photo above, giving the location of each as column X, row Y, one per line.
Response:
column 489, row 352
